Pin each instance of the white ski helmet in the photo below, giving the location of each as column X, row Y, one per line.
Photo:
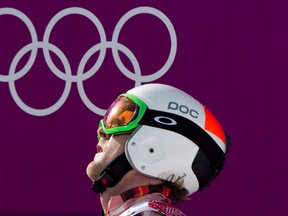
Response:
column 179, row 138
column 173, row 137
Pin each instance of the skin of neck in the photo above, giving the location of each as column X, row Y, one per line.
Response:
column 131, row 180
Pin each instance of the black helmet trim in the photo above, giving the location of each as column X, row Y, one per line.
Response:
column 190, row 130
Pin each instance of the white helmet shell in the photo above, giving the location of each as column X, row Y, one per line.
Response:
column 163, row 153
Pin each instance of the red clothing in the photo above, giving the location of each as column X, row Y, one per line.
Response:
column 143, row 201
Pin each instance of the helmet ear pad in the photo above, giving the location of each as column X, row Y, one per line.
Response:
column 202, row 169
column 159, row 153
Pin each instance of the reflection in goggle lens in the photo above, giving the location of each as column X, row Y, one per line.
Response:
column 120, row 113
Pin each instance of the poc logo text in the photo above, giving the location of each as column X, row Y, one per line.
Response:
column 183, row 109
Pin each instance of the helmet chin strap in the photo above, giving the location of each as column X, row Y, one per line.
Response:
column 112, row 174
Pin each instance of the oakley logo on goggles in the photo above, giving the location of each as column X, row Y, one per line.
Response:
column 123, row 115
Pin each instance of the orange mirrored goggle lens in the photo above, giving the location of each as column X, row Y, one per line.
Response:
column 120, row 113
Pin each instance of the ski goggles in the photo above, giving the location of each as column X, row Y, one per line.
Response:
column 123, row 115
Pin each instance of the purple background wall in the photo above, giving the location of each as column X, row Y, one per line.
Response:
column 231, row 56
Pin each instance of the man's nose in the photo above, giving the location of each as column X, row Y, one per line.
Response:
column 102, row 134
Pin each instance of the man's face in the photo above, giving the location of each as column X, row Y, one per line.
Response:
column 108, row 148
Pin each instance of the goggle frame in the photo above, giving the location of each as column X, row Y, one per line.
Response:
column 131, row 125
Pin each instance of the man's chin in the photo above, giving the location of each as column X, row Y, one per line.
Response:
column 92, row 171
column 97, row 155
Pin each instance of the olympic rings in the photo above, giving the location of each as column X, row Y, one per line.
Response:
column 81, row 75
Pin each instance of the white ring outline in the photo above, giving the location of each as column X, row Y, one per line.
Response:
column 33, row 34
column 93, row 19
column 173, row 38
column 90, row 52
column 65, row 94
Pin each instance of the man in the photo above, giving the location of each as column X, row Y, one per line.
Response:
column 157, row 144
